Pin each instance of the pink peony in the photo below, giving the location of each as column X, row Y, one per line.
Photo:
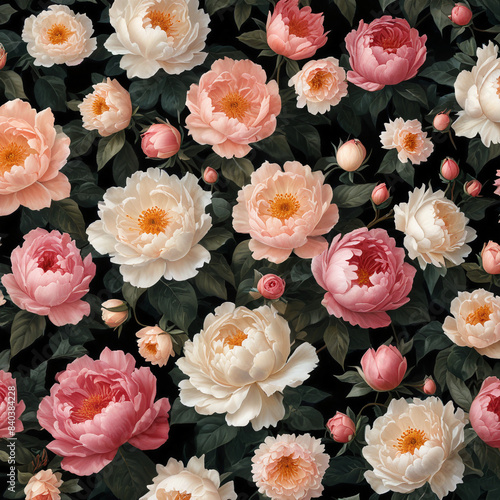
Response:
column 49, row 277
column 232, row 106
column 285, row 211
column 161, row 140
column 385, row 52
column 295, row 33
column 383, row 369
column 490, row 256
column 341, row 427
column 380, row 194
column 8, row 389
column 484, row 412
column 31, row 154
column 155, row 345
column 365, row 275
column 271, row 286
column 44, row 485
column 98, row 405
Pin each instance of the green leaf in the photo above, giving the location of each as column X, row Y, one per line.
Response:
column 459, row 391
column 66, row 216
column 276, row 147
column 462, row 362
column 221, row 209
column 87, row 194
column 180, row 414
column 145, row 93
column 407, row 172
column 345, row 470
column 336, row 338
column 212, row 6
column 385, row 3
column 132, row 294
column 81, row 139
column 26, row 328
column 173, row 97
column 109, row 147
column 440, row 9
column 31, row 219
column 442, row 72
column 412, row 92
column 12, row 84
column 352, row 196
column 50, row 92
column 215, row 238
column 305, row 418
column 305, row 138
column 125, row 164
column 238, row 170
column 256, row 39
column 348, row 9
column 412, row 8
column 213, row 432
column 241, row 13
column 210, row 284
column 475, row 208
column 70, row 486
column 389, row 163
column 5, row 12
column 311, row 394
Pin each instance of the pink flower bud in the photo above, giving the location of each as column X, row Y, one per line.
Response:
column 117, row 317
column 461, row 14
column 441, row 121
column 473, row 188
column 429, row 386
column 271, row 286
column 341, row 427
column 161, row 141
column 380, row 194
column 450, row 169
column 155, row 345
column 491, row 258
column 484, row 413
column 384, row 368
column 351, row 155
column 210, row 175
column 3, row 56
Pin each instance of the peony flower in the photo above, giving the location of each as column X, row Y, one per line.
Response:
column 44, row 485
column 383, row 369
column 416, row 443
column 365, row 276
column 238, row 365
column 98, row 405
column 192, row 482
column 490, row 255
column 408, row 139
column 108, row 109
column 484, row 412
column 476, row 92
column 271, row 286
column 319, row 85
column 161, row 140
column 232, row 106
column 384, row 52
column 436, row 231
column 475, row 322
column 380, row 194
column 295, row 33
column 49, row 277
column 351, row 155
column 290, row 467
column 8, row 388
column 158, row 34
column 285, row 211
column 59, row 36
column 114, row 318
column 32, row 154
column 155, row 345
column 341, row 427
column 152, row 227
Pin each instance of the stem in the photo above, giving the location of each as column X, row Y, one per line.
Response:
column 136, row 320
column 279, row 62
column 452, row 188
column 320, row 349
column 451, row 139
column 366, row 406
column 376, row 221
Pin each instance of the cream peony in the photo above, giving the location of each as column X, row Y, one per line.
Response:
column 477, row 92
column 408, row 139
column 152, row 227
column 58, row 36
column 290, row 467
column 238, row 365
column 44, row 485
column 319, row 85
column 158, row 34
column 436, row 231
column 193, row 482
column 416, row 443
column 475, row 322
column 155, row 345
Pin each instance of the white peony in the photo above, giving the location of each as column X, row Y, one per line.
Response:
column 152, row 227
column 158, row 34
column 238, row 365
column 58, row 36
column 436, row 231
column 193, row 482
column 416, row 443
column 478, row 93
column 475, row 322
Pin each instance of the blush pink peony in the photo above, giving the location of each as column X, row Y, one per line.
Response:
column 98, row 405
column 484, row 412
column 285, row 211
column 384, row 52
column 44, row 485
column 341, row 427
column 49, row 277
column 232, row 106
column 295, row 33
column 32, row 154
column 7, row 388
column 365, row 276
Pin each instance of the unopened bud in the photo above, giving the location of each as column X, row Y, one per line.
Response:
column 461, row 14
column 380, row 194
column 3, row 56
column 210, row 175
column 429, row 386
column 450, row 169
column 351, row 155
column 441, row 121
column 473, row 188
column 114, row 312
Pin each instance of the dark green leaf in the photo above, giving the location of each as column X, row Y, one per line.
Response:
column 459, row 391
column 66, row 216
column 238, row 170
column 462, row 362
column 345, row 470
column 276, row 147
column 50, row 92
column 475, row 208
column 180, row 414
column 256, row 39
column 81, row 139
column 336, row 338
column 215, row 238
column 348, row 8
column 26, row 328
column 352, row 196
column 131, row 294
column 241, row 13
column 109, row 147
column 407, row 172
column 305, row 418
column 212, row 433
column 12, row 84
column 145, row 93
column 5, row 12
column 125, row 164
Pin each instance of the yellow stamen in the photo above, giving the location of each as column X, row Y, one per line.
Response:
column 318, row 80
column 11, row 155
column 161, row 19
column 363, row 277
column 287, row 467
column 91, row 406
column 58, row 34
column 235, row 339
column 99, row 105
column 153, row 220
column 410, row 142
column 411, row 440
column 234, row 105
column 480, row 315
column 298, row 27
column 283, row 206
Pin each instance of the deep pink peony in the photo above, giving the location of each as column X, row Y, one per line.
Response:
column 365, row 275
column 232, row 106
column 49, row 277
column 484, row 412
column 8, row 388
column 384, row 368
column 385, row 52
column 98, row 405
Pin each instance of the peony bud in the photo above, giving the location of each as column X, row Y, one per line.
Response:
column 351, row 155
column 384, row 369
column 380, row 194
column 441, row 121
column 473, row 188
column 484, row 412
column 490, row 256
column 161, row 140
column 3, row 56
column 271, row 286
column 429, row 386
column 461, row 14
column 341, row 428
column 449, row 169
column 117, row 317
column 210, row 175
column 44, row 485
column 155, row 345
